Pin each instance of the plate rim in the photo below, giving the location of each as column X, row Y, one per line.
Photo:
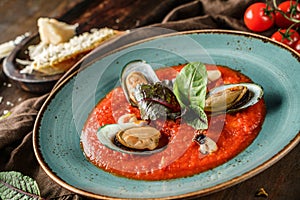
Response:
column 77, row 68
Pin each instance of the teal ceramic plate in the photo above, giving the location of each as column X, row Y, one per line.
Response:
column 270, row 64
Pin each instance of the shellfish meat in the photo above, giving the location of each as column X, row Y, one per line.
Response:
column 232, row 97
column 133, row 137
column 139, row 138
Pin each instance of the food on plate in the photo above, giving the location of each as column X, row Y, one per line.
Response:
column 173, row 122
column 59, row 48
column 143, row 89
column 131, row 136
column 232, row 97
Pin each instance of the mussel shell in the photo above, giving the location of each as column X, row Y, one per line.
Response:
column 245, row 98
column 107, row 135
column 138, row 68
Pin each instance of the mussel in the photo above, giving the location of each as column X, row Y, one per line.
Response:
column 139, row 138
column 154, row 98
column 134, row 137
column 133, row 74
column 232, row 97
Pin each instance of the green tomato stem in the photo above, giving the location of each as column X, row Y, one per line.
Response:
column 283, row 13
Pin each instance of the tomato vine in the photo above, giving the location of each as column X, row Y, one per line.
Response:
column 262, row 16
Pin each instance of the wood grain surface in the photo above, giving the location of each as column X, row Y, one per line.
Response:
column 281, row 181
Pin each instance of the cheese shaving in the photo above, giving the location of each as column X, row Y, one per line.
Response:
column 55, row 32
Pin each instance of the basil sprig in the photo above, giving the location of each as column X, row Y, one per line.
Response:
column 190, row 91
column 14, row 185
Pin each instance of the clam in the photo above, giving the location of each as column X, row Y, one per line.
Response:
column 136, row 73
column 232, row 97
column 131, row 137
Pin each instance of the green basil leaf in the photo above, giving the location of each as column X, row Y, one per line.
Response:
column 190, row 91
column 14, row 185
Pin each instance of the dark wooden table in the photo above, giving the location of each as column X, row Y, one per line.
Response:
column 281, row 181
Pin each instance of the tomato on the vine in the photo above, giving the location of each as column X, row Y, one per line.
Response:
column 259, row 17
column 284, row 36
column 291, row 9
column 297, row 46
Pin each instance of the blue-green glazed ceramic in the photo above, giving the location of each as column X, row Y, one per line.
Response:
column 58, row 126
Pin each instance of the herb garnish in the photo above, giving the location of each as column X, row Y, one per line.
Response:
column 190, row 91
column 15, row 185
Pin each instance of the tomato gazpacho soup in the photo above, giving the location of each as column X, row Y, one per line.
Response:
column 174, row 122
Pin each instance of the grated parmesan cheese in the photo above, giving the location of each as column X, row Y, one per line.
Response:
column 47, row 55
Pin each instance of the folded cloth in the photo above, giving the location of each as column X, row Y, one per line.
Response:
column 16, row 130
column 206, row 14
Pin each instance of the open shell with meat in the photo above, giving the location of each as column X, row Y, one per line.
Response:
column 232, row 97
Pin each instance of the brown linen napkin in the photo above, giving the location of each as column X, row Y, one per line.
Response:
column 16, row 148
column 16, row 131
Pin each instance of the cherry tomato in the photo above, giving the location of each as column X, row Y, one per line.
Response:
column 289, row 38
column 258, row 17
column 291, row 9
column 297, row 46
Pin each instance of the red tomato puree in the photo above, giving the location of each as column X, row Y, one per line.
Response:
column 232, row 133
